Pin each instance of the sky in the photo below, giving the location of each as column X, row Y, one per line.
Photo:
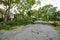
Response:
column 55, row 3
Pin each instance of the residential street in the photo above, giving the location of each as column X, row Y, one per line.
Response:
column 31, row 32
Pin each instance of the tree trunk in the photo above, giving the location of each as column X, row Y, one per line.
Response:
column 7, row 12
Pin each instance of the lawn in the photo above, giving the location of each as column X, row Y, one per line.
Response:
column 56, row 27
column 13, row 24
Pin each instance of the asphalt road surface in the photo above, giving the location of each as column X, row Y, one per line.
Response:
column 31, row 32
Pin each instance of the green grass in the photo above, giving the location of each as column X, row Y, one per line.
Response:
column 5, row 27
column 57, row 28
column 58, row 22
column 55, row 21
column 12, row 26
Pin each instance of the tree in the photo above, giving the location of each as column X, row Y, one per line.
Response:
column 1, row 14
column 2, row 11
column 45, row 10
column 58, row 15
column 22, row 6
column 48, row 12
column 52, row 13
column 8, row 5
column 25, row 7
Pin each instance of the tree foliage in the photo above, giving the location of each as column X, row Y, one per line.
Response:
column 22, row 5
column 48, row 12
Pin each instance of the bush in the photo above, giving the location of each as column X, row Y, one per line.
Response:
column 16, row 22
column 5, row 27
column 1, row 19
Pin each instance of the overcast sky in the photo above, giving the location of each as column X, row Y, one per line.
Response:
column 55, row 3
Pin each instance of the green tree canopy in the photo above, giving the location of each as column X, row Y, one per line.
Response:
column 48, row 11
column 22, row 5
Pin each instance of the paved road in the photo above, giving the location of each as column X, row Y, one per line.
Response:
column 31, row 32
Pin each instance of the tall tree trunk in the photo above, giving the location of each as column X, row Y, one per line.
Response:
column 5, row 17
column 6, row 13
